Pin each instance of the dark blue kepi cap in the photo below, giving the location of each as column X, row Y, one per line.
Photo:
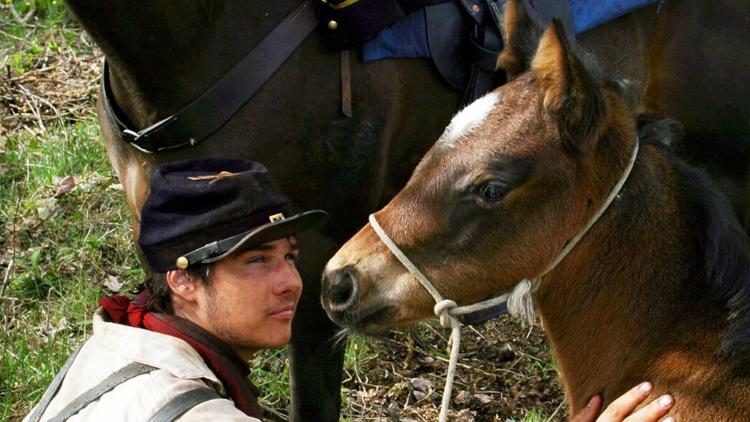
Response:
column 199, row 211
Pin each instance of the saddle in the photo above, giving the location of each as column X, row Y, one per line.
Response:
column 461, row 37
column 451, row 27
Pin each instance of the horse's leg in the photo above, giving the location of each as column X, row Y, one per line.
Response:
column 315, row 359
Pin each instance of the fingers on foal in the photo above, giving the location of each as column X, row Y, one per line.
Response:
column 622, row 407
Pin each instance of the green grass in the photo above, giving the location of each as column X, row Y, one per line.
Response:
column 48, row 30
column 55, row 248
column 270, row 373
column 359, row 351
column 61, row 249
column 534, row 416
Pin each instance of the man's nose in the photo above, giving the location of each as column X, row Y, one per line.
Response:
column 289, row 280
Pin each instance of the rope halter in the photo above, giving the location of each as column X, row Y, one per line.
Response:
column 447, row 310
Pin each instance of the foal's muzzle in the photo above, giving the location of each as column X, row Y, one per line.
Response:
column 340, row 291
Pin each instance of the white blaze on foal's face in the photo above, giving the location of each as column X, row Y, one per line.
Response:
column 468, row 118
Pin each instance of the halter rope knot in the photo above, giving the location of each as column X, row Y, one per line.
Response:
column 442, row 310
column 519, row 302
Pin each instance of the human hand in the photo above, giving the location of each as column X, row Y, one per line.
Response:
column 620, row 410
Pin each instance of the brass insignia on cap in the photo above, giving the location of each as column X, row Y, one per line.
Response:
column 214, row 177
column 276, row 217
column 341, row 5
column 182, row 263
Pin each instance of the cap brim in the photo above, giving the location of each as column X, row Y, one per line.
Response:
column 276, row 230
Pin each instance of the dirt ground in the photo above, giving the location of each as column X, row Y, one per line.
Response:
column 505, row 372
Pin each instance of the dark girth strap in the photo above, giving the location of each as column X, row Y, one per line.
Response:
column 211, row 110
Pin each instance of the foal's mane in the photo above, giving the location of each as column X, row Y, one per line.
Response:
column 724, row 241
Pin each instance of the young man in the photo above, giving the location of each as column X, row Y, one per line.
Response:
column 220, row 241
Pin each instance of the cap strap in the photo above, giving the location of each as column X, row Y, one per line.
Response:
column 210, row 250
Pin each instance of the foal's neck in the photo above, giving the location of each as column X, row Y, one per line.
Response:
column 163, row 54
column 629, row 290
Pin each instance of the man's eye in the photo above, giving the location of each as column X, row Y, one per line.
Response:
column 291, row 256
column 257, row 259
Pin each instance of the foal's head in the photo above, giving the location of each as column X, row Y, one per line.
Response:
column 513, row 177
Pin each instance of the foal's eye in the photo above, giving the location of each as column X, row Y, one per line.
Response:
column 491, row 191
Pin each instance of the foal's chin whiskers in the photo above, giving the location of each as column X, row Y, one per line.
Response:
column 340, row 337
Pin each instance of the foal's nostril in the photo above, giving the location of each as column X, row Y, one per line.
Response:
column 343, row 289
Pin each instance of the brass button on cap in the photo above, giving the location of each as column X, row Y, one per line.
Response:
column 182, row 262
column 333, row 25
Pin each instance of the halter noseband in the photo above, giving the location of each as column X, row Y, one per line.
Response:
column 447, row 309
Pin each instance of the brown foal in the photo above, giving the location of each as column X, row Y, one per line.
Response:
column 658, row 289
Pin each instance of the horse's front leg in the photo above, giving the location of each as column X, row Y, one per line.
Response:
column 315, row 358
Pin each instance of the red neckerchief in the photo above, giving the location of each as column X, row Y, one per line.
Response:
column 231, row 370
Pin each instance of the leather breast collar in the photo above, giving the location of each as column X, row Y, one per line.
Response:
column 215, row 107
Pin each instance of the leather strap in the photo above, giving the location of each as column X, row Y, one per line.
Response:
column 180, row 404
column 483, row 315
column 36, row 415
column 214, row 107
column 128, row 372
column 486, row 45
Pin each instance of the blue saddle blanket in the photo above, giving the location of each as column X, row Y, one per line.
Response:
column 588, row 14
column 407, row 38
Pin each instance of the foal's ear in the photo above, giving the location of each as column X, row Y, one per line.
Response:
column 520, row 35
column 570, row 92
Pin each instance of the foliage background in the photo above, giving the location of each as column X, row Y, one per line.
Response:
column 63, row 221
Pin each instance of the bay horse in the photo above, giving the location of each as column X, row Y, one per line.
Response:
column 658, row 289
column 163, row 54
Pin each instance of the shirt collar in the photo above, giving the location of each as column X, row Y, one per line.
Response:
column 154, row 349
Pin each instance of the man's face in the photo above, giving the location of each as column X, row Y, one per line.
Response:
column 252, row 295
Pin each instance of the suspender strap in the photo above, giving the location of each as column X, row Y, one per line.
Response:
column 130, row 371
column 174, row 408
column 54, row 387
column 182, row 403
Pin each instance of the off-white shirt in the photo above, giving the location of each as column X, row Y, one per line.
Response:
column 113, row 346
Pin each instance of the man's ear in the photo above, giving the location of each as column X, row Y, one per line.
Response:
column 182, row 285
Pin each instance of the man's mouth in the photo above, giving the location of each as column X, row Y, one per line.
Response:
column 282, row 312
